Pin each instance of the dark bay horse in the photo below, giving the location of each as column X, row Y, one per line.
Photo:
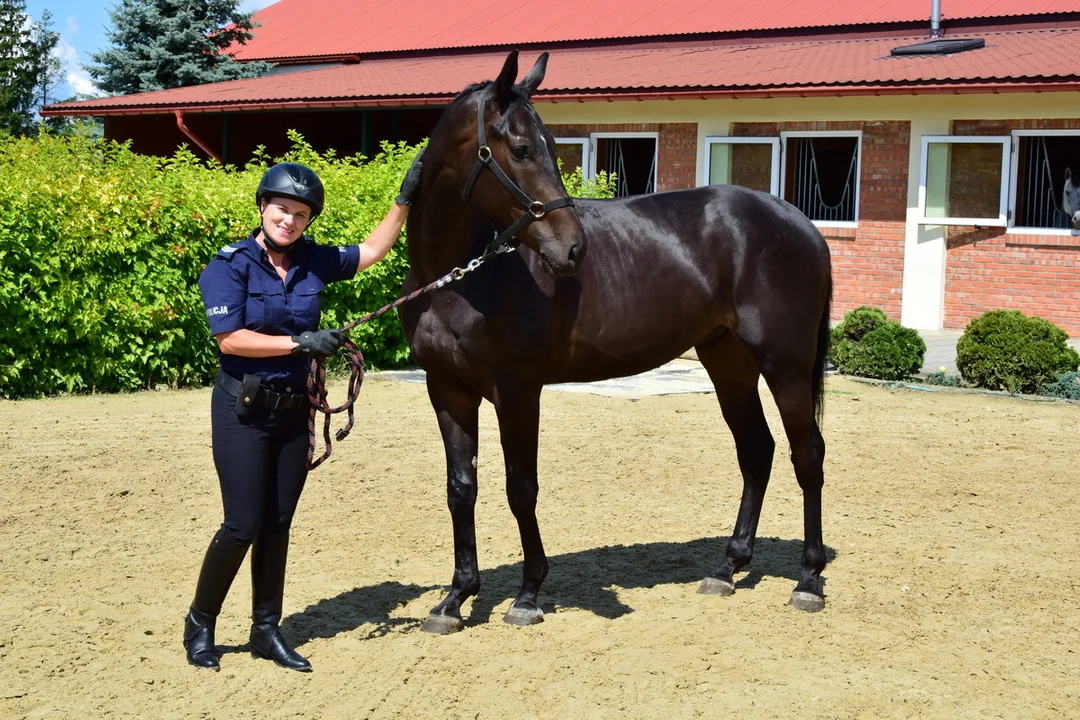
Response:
column 604, row 289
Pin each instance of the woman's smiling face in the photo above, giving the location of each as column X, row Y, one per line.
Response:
column 284, row 219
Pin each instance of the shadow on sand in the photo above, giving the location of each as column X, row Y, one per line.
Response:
column 586, row 579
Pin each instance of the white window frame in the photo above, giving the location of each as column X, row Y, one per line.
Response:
column 1014, row 181
column 774, row 170
column 1003, row 200
column 593, row 137
column 586, row 156
column 785, row 136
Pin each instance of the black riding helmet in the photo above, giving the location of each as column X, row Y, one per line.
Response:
column 292, row 180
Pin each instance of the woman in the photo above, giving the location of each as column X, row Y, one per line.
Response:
column 263, row 306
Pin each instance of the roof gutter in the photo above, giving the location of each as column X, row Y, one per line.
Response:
column 194, row 138
column 578, row 97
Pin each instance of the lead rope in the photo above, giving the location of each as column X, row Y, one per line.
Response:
column 316, row 381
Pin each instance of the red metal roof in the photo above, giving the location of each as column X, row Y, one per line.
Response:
column 1037, row 59
column 319, row 28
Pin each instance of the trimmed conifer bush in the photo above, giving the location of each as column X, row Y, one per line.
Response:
column 1007, row 350
column 866, row 343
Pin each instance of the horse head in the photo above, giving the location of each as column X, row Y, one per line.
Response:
column 492, row 146
column 1070, row 200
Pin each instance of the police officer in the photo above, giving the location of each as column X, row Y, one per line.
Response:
column 263, row 306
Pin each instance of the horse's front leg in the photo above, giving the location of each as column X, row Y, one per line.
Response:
column 518, row 410
column 457, row 411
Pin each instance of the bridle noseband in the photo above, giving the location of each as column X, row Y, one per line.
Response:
column 534, row 209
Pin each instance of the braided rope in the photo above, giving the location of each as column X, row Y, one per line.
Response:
column 316, row 382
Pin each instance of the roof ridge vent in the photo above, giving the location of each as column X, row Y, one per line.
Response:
column 939, row 46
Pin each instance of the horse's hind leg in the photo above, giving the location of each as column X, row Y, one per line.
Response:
column 735, row 377
column 457, row 410
column 518, row 410
column 795, row 400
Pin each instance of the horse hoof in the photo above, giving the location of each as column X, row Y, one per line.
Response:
column 716, row 586
column 807, row 602
column 523, row 616
column 441, row 624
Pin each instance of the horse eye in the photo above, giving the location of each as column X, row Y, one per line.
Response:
column 520, row 151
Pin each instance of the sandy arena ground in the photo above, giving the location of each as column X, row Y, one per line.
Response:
column 951, row 519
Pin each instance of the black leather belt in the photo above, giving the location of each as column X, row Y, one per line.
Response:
column 264, row 396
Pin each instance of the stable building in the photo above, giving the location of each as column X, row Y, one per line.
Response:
column 929, row 143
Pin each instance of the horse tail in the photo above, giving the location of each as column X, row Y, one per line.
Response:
column 822, row 354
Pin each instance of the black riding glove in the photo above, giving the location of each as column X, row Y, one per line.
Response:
column 411, row 183
column 318, row 342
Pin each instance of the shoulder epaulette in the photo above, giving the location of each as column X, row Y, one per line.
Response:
column 229, row 251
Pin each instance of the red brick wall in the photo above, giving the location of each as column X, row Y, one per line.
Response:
column 677, row 148
column 868, row 261
column 989, row 269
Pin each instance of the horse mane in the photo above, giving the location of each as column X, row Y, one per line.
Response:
column 466, row 94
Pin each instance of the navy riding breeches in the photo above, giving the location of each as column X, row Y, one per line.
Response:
column 261, row 463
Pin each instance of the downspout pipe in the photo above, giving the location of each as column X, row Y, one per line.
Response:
column 935, row 19
column 195, row 139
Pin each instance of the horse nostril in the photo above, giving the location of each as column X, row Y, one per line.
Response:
column 573, row 255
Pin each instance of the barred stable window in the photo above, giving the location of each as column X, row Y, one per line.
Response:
column 631, row 156
column 821, row 175
column 1042, row 156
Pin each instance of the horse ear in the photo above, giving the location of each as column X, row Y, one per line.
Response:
column 536, row 75
column 504, row 84
column 1068, row 174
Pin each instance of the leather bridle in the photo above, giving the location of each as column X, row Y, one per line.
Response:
column 534, row 209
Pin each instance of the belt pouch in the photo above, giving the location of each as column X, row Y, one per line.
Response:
column 245, row 399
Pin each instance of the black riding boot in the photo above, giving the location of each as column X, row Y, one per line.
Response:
column 268, row 556
column 219, row 567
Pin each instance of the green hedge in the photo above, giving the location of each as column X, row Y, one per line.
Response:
column 868, row 344
column 101, row 251
column 1007, row 350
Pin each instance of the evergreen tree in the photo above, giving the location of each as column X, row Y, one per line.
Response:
column 161, row 44
column 27, row 67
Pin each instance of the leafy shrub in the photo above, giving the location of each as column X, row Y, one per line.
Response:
column 603, row 185
column 867, row 344
column 101, row 252
column 1066, row 386
column 1007, row 350
column 943, row 379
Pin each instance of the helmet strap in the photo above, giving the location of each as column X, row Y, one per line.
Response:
column 273, row 246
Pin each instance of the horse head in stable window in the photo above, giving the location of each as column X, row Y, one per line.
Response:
column 741, row 276
column 1070, row 200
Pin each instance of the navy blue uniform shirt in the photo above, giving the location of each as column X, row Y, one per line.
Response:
column 242, row 290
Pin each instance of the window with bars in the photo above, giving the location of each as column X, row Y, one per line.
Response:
column 631, row 157
column 1041, row 160
column 821, row 175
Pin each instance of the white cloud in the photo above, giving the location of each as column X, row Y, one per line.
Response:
column 80, row 82
column 77, row 79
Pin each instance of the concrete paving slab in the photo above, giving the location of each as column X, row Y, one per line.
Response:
column 677, row 376
column 685, row 374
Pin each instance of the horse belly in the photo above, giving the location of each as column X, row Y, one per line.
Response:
column 637, row 329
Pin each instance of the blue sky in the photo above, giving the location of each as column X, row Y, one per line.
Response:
column 81, row 24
